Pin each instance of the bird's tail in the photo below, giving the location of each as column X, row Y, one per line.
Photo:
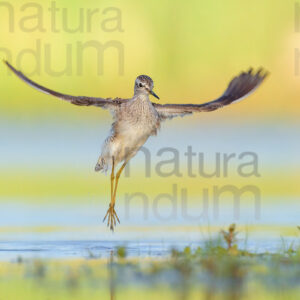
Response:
column 101, row 165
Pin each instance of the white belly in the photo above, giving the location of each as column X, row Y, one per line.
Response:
column 130, row 141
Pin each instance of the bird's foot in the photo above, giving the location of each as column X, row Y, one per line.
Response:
column 112, row 217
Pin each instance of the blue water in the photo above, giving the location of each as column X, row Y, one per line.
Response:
column 73, row 230
column 65, row 249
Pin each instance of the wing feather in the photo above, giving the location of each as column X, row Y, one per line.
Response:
column 239, row 87
column 77, row 100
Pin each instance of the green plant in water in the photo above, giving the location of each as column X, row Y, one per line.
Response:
column 230, row 236
column 121, row 252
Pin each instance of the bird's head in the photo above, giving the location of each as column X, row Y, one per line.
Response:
column 144, row 85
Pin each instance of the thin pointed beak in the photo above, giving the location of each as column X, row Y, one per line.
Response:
column 153, row 94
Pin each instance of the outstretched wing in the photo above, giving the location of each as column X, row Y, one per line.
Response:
column 240, row 87
column 77, row 100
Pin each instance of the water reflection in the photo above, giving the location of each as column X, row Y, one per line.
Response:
column 111, row 276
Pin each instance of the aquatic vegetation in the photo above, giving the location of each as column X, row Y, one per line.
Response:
column 121, row 252
column 216, row 270
column 230, row 236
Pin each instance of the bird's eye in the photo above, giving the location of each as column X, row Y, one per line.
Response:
column 140, row 85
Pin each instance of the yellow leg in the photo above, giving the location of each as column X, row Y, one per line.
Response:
column 111, row 214
column 117, row 181
column 112, row 178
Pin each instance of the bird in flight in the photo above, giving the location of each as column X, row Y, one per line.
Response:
column 137, row 118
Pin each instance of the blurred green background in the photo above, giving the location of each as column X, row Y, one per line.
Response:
column 191, row 50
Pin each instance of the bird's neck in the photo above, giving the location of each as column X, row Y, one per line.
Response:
column 142, row 97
